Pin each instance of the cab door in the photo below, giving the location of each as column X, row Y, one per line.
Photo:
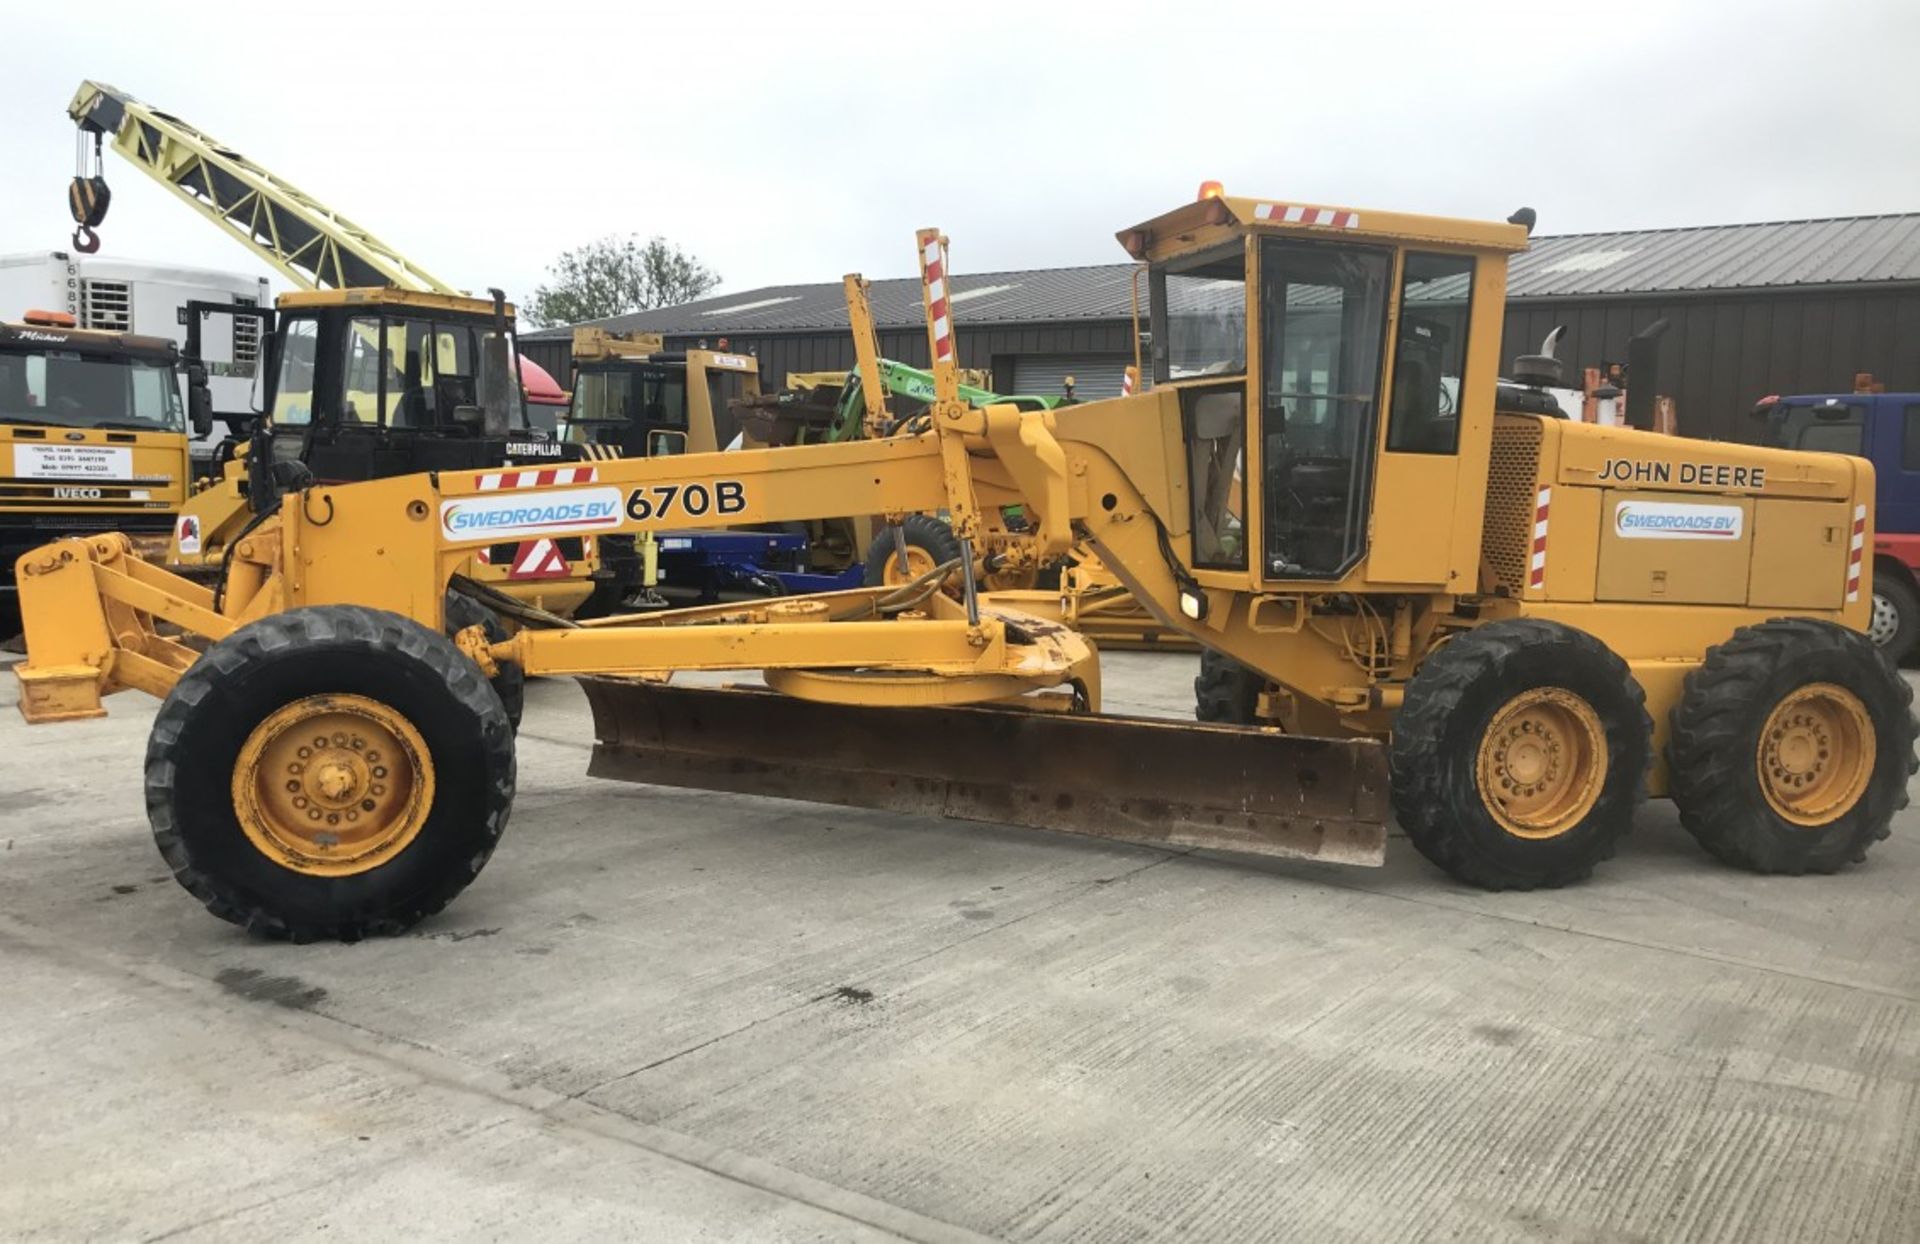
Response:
column 1420, row 514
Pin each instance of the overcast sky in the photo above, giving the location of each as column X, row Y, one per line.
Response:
column 796, row 141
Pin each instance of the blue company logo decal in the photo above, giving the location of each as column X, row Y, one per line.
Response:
column 1667, row 520
column 530, row 513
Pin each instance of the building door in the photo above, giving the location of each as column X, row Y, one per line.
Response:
column 1045, row 375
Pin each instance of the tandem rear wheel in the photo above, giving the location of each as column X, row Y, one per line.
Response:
column 1520, row 754
column 1791, row 747
column 329, row 772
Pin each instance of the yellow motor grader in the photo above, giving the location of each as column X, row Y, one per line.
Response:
column 1506, row 629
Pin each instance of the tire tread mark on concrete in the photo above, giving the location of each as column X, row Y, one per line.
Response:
column 1073, row 893
column 556, row 1110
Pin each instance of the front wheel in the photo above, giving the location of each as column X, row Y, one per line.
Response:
column 1226, row 691
column 1791, row 747
column 1520, row 754
column 329, row 772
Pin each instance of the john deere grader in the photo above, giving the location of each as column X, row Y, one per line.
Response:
column 1503, row 628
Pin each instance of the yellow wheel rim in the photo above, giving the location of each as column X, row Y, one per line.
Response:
column 333, row 785
column 1542, row 763
column 919, row 562
column 1815, row 756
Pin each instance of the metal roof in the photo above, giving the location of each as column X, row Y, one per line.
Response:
column 1838, row 251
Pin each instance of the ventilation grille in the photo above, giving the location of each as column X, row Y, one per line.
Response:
column 1513, row 475
column 106, row 305
column 246, row 338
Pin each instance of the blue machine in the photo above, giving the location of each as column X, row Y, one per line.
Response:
column 761, row 563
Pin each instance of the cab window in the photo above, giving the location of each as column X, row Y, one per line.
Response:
column 366, row 362
column 1323, row 315
column 1436, row 296
column 293, row 390
column 435, row 366
column 1199, row 309
column 1833, row 438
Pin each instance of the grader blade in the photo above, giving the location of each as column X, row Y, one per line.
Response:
column 1157, row 782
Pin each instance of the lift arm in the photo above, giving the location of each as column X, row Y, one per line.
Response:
column 309, row 243
column 866, row 352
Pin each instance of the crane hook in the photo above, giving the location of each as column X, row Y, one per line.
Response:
column 88, row 196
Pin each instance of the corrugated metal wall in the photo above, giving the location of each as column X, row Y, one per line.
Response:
column 780, row 353
column 1720, row 355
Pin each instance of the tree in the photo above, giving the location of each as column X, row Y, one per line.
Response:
column 615, row 276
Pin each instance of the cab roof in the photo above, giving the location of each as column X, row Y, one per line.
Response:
column 88, row 341
column 1198, row 224
column 388, row 296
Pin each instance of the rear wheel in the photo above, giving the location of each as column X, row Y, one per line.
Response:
column 1791, row 747
column 1520, row 754
column 1226, row 691
column 1895, row 624
column 930, row 543
column 329, row 772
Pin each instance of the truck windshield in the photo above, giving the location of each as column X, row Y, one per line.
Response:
column 67, row 389
column 1200, row 315
column 1829, row 426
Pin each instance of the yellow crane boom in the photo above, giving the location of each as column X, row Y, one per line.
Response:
column 309, row 243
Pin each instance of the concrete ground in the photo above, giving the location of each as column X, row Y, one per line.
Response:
column 665, row 1015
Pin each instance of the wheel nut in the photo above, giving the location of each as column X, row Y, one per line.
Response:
column 379, row 771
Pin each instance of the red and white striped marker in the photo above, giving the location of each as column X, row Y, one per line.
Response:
column 1537, row 571
column 1293, row 214
column 1126, row 383
column 935, row 270
column 1856, row 552
column 493, row 481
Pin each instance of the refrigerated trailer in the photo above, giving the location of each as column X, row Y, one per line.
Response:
column 148, row 300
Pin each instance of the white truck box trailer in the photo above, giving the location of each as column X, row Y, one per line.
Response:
column 133, row 296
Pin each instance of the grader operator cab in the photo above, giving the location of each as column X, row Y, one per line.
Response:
column 369, row 383
column 1509, row 628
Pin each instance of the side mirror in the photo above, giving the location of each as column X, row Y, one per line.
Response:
column 199, row 401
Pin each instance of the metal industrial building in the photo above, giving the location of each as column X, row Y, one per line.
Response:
column 1793, row 306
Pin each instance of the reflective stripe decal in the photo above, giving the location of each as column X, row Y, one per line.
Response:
column 1856, row 552
column 937, row 309
column 1294, row 214
column 1537, row 571
column 493, row 481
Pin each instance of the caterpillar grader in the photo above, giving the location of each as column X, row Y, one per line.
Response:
column 1501, row 629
